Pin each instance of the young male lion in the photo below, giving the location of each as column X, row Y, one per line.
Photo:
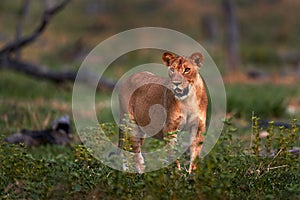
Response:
column 159, row 106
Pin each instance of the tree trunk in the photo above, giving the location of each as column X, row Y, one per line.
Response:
column 231, row 35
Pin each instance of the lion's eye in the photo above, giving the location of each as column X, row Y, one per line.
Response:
column 172, row 69
column 186, row 70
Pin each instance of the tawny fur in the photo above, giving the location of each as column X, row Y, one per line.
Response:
column 183, row 97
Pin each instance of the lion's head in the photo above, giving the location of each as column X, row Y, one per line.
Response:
column 182, row 72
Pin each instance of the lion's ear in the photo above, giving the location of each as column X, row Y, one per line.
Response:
column 168, row 58
column 198, row 58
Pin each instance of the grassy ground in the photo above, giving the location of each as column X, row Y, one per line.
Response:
column 232, row 170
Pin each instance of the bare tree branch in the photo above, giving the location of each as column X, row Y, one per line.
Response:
column 8, row 62
column 13, row 46
column 55, row 76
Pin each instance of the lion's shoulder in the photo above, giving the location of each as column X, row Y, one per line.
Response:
column 142, row 78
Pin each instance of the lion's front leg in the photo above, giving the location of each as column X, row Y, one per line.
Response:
column 170, row 137
column 138, row 157
column 196, row 146
column 172, row 142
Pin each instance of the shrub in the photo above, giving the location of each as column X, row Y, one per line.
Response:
column 229, row 171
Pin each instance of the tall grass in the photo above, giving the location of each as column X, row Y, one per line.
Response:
column 230, row 171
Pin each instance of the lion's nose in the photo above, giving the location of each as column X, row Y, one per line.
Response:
column 176, row 83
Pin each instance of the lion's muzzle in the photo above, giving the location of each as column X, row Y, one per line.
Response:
column 181, row 94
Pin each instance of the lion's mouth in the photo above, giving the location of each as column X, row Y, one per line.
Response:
column 181, row 93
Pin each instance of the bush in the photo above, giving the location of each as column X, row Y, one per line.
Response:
column 230, row 171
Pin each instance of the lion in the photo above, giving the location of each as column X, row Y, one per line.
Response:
column 180, row 101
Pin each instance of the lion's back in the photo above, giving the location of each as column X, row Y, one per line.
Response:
column 141, row 91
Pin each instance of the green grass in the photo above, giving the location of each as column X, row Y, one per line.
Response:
column 230, row 171
column 55, row 172
column 265, row 100
column 20, row 87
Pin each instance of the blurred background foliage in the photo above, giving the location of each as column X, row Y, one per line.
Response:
column 268, row 29
column 268, row 44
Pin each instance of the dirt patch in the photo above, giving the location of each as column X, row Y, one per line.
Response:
column 236, row 78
